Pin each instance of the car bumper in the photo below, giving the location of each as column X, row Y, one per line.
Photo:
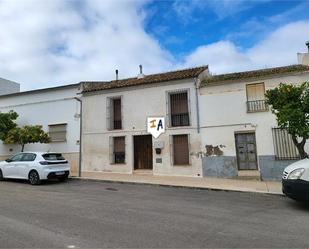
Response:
column 58, row 174
column 296, row 189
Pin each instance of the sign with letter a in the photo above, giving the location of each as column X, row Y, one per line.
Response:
column 155, row 126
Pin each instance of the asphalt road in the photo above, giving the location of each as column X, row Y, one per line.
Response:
column 84, row 214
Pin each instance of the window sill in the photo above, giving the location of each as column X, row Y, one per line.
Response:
column 118, row 164
column 182, row 165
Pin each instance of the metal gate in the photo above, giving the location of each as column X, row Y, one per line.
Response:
column 246, row 151
column 143, row 152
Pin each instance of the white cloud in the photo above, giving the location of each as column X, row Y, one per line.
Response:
column 279, row 48
column 56, row 42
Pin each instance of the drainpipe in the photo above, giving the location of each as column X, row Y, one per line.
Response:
column 80, row 136
column 197, row 104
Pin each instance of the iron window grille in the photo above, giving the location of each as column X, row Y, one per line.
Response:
column 114, row 113
column 179, row 109
column 119, row 154
column 257, row 106
column 283, row 145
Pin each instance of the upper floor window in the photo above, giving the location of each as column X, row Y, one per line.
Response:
column 114, row 112
column 58, row 132
column 256, row 97
column 179, row 109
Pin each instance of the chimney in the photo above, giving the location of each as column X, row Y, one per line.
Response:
column 116, row 74
column 141, row 75
column 303, row 58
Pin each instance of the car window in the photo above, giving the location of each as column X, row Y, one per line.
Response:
column 28, row 157
column 16, row 158
column 53, row 156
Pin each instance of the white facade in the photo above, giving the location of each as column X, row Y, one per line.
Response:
column 138, row 103
column 7, row 86
column 223, row 108
column 47, row 107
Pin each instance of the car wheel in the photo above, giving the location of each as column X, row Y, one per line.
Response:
column 34, row 178
column 63, row 179
column 1, row 176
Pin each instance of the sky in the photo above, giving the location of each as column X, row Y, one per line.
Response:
column 46, row 43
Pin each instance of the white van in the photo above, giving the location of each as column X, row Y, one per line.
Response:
column 295, row 180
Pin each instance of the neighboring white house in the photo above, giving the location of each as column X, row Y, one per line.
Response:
column 237, row 122
column 8, row 86
column 57, row 110
column 114, row 134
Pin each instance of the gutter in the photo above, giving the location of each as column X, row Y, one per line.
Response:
column 196, row 83
column 80, row 136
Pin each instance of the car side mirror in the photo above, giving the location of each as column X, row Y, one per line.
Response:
column 8, row 160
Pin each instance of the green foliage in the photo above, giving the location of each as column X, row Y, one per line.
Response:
column 290, row 104
column 7, row 122
column 27, row 134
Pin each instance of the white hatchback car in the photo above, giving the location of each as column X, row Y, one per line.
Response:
column 35, row 166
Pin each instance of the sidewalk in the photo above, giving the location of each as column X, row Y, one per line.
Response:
column 269, row 187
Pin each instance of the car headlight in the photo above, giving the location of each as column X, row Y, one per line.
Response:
column 296, row 174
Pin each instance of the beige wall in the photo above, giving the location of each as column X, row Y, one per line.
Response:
column 138, row 104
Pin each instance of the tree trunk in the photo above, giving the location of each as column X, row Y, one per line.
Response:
column 300, row 147
column 22, row 147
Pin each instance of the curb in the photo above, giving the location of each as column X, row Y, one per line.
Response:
column 173, row 186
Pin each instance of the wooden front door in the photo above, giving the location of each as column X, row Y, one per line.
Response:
column 246, row 151
column 143, row 152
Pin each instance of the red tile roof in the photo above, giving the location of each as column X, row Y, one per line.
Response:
column 90, row 86
column 255, row 74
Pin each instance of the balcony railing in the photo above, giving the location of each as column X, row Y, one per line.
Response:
column 257, row 106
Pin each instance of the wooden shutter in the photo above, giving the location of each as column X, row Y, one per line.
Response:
column 58, row 132
column 181, row 149
column 108, row 114
column 111, row 150
column 255, row 92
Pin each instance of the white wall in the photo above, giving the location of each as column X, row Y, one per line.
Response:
column 223, row 112
column 7, row 86
column 138, row 104
column 45, row 107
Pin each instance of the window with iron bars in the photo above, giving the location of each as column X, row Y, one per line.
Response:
column 283, row 145
column 118, row 150
column 114, row 113
column 179, row 109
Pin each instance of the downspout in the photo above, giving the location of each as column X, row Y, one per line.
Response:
column 80, row 136
column 197, row 104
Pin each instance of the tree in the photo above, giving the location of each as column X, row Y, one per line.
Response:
column 7, row 122
column 26, row 134
column 290, row 104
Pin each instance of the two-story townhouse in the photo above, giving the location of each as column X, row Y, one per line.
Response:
column 57, row 109
column 238, row 130
column 114, row 131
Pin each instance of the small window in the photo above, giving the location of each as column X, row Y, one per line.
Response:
column 118, row 150
column 179, row 109
column 16, row 158
column 114, row 106
column 256, row 97
column 58, row 132
column 53, row 156
column 180, row 149
column 28, row 157
column 283, row 145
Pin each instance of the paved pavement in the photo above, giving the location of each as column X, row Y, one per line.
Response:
column 87, row 214
column 270, row 187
